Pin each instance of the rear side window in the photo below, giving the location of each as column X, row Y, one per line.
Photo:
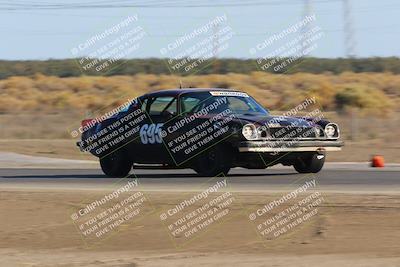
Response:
column 162, row 104
column 143, row 104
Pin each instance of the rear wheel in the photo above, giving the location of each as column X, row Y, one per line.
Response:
column 309, row 163
column 116, row 165
column 214, row 161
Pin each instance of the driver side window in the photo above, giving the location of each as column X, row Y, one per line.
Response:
column 189, row 103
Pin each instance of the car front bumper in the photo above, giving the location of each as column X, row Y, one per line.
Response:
column 290, row 146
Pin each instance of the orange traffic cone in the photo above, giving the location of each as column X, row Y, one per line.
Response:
column 377, row 161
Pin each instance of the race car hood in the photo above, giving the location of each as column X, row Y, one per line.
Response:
column 274, row 121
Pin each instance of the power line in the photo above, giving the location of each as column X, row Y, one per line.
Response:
column 393, row 27
column 99, row 5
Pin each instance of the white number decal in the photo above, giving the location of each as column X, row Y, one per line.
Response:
column 158, row 132
column 143, row 135
column 151, row 133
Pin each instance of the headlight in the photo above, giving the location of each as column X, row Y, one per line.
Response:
column 318, row 131
column 332, row 130
column 249, row 132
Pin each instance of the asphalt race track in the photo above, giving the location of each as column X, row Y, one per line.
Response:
column 337, row 178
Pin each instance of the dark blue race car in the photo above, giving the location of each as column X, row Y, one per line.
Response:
column 209, row 131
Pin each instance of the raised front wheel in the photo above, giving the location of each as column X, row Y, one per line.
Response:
column 310, row 163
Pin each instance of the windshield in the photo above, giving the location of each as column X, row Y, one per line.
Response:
column 237, row 102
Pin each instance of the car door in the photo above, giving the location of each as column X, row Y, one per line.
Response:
column 160, row 109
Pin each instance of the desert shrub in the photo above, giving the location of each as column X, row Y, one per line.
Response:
column 364, row 98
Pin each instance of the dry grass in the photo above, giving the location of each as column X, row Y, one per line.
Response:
column 375, row 92
column 43, row 110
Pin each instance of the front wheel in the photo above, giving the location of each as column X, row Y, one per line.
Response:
column 309, row 163
column 214, row 161
column 116, row 165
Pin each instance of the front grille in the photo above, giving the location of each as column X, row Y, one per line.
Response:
column 291, row 132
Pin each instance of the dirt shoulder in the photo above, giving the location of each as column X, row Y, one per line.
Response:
column 349, row 230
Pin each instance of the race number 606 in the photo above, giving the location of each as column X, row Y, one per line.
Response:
column 150, row 133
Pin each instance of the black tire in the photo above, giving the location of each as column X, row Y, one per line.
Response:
column 214, row 161
column 116, row 165
column 310, row 163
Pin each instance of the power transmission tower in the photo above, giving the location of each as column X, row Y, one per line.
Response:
column 350, row 41
column 306, row 28
column 216, row 48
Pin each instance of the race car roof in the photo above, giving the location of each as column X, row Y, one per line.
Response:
column 174, row 92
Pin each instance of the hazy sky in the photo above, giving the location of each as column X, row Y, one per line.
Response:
column 30, row 33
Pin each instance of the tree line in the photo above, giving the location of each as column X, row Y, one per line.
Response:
column 71, row 68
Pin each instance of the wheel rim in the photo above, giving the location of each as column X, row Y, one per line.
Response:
column 211, row 156
column 109, row 161
column 209, row 161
